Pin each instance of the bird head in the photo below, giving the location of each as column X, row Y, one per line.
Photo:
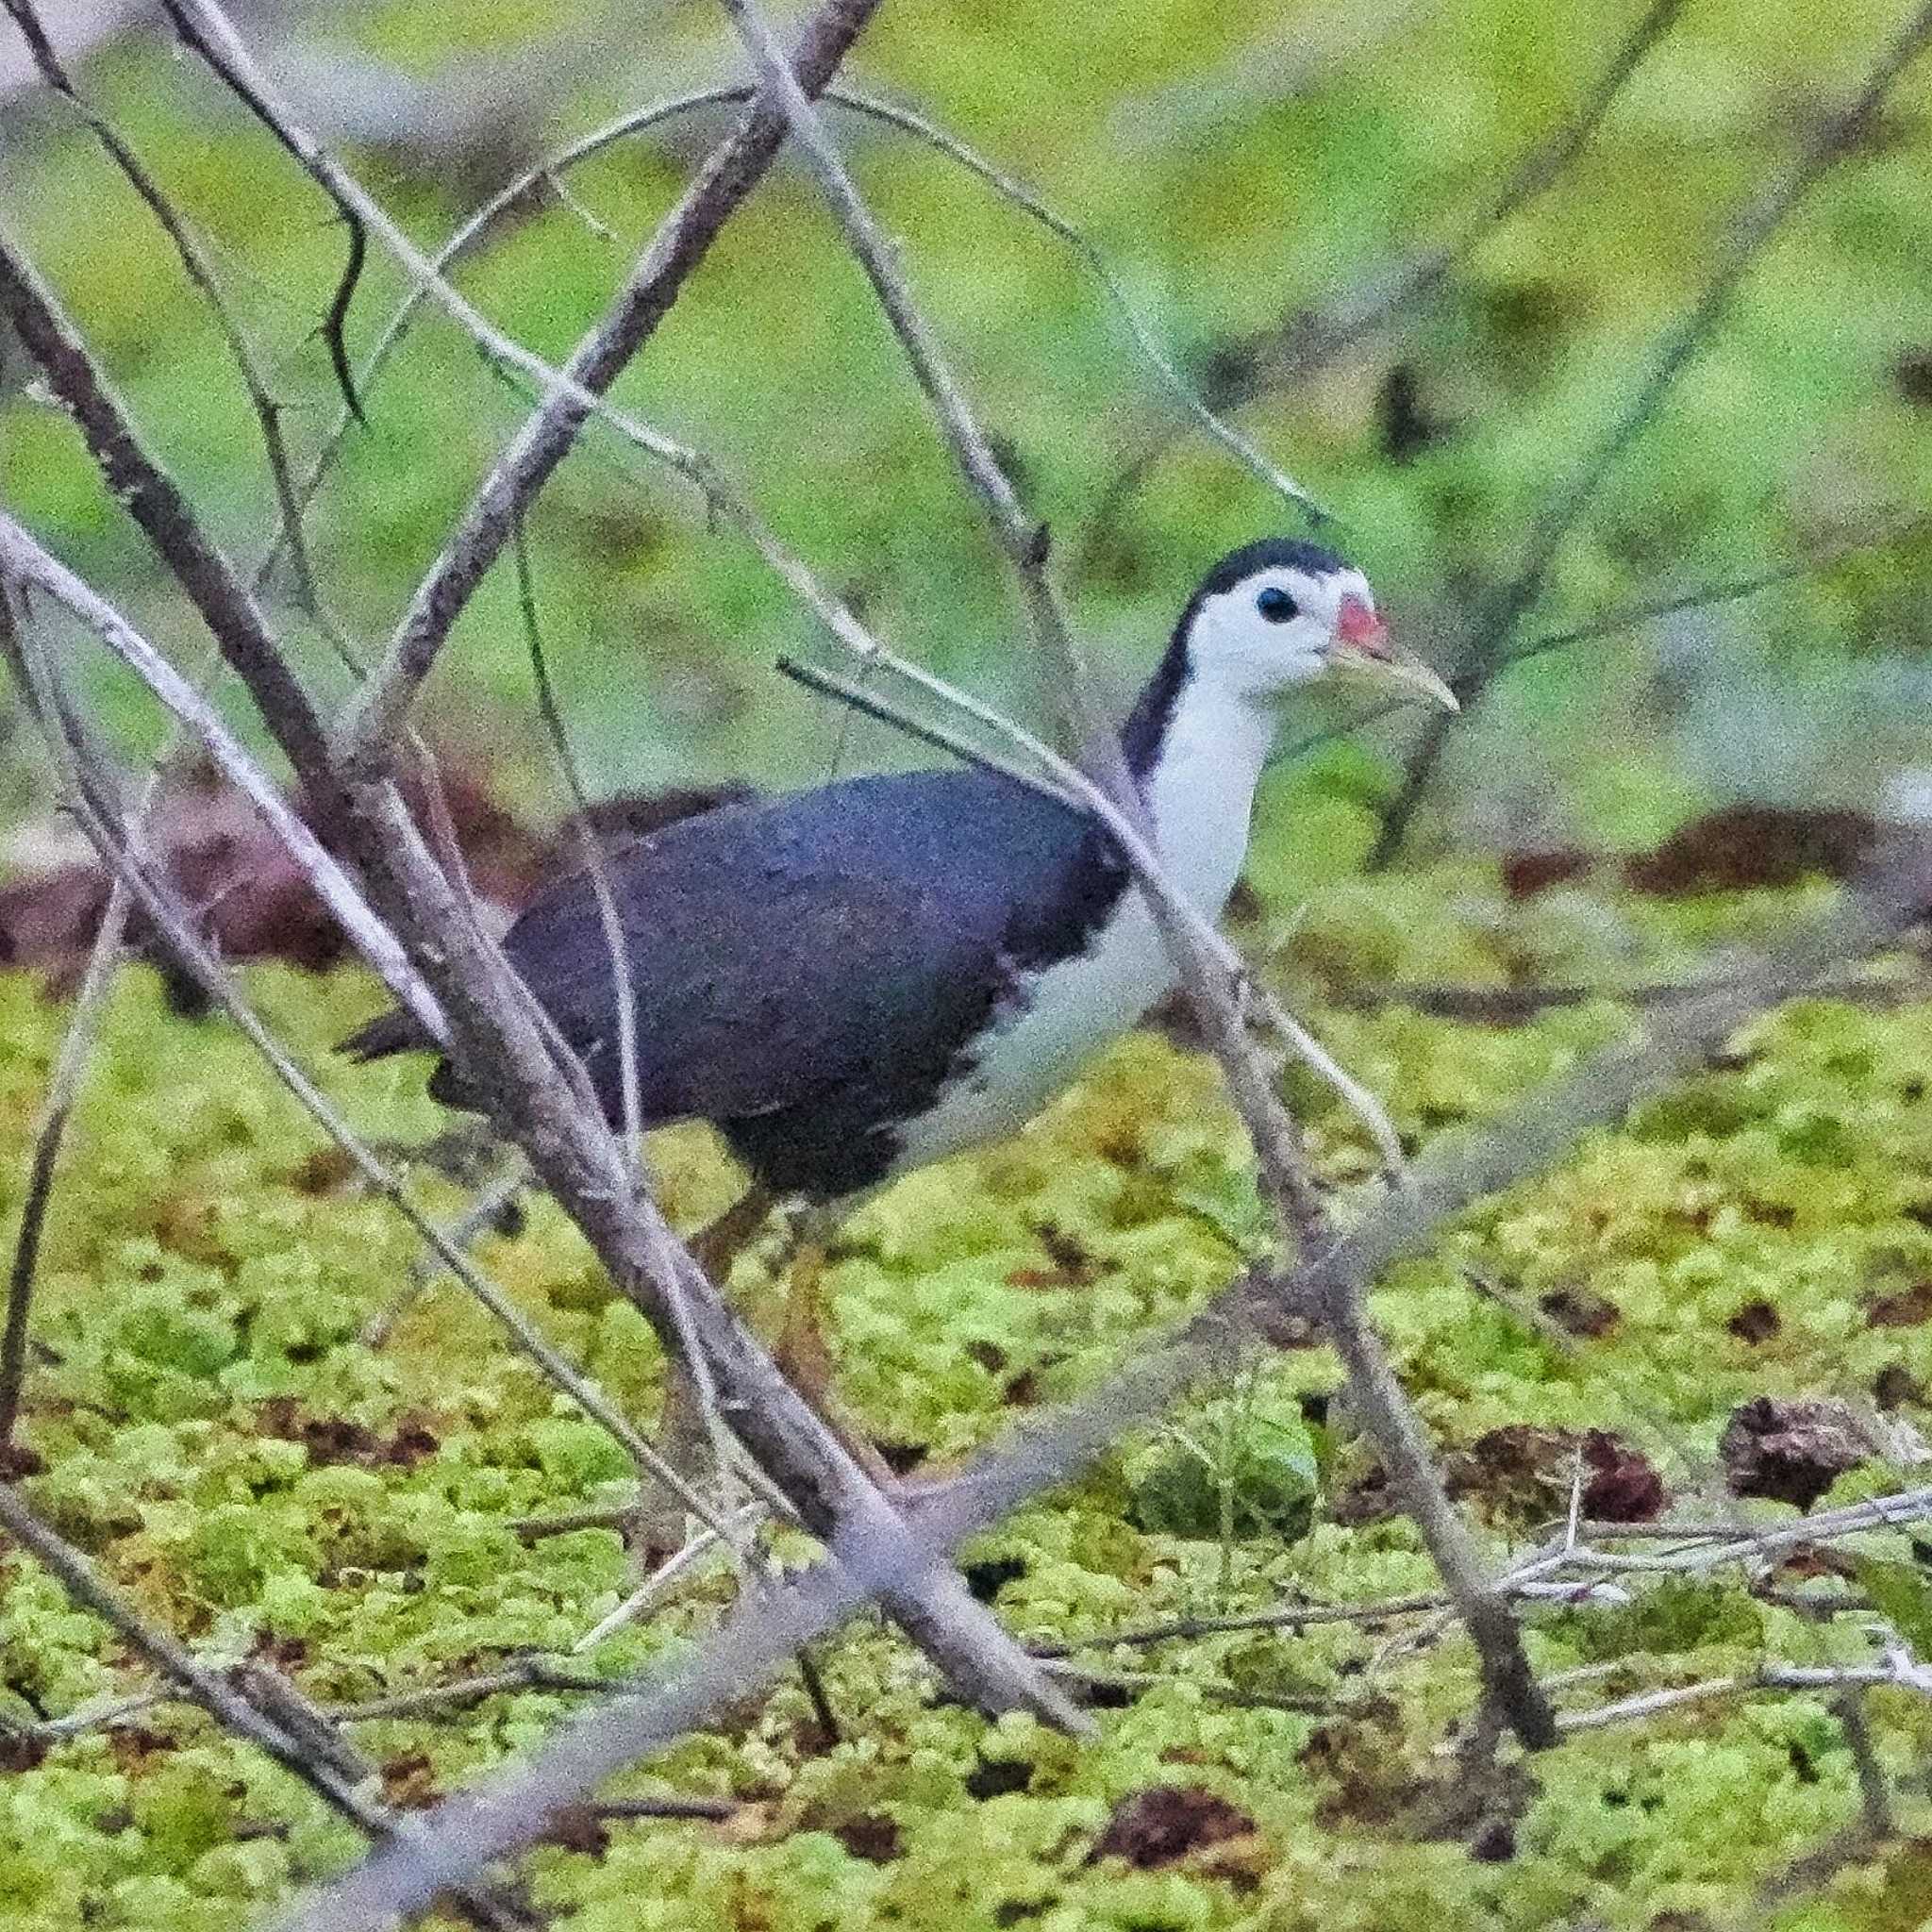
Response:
column 1282, row 613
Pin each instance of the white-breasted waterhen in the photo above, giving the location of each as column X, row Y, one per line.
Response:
column 852, row 981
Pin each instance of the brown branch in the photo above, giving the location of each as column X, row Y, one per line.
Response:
column 855, row 697
column 1515, row 1006
column 100, row 818
column 691, row 1357
column 467, row 236
column 546, row 176
column 554, row 385
column 63, row 1089
column 70, row 1065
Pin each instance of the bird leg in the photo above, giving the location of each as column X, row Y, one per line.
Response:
column 684, row 1430
column 718, row 1243
column 684, row 1437
column 801, row 1351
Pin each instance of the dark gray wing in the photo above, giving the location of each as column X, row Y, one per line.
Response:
column 817, row 959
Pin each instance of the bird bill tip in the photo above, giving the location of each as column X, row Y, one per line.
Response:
column 1426, row 683
column 1367, row 650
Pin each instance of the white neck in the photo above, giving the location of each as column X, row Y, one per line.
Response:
column 1200, row 792
column 1201, row 789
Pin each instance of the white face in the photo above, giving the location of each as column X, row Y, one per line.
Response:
column 1280, row 627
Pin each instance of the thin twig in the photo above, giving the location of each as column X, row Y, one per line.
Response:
column 23, row 560
column 76, row 1045
column 209, row 34
column 200, row 271
column 656, row 1585
column 63, row 1087
column 484, row 1212
column 547, row 174
column 1512, row 1006
column 1179, row 388
column 465, row 238
column 1213, row 1690
column 1675, row 351
column 1874, row 1789
column 1283, row 1617
column 855, row 696
column 1200, row 960
column 690, row 1357
column 1313, row 339
column 530, row 1674
column 230, row 1709
column 616, row 940
column 681, row 242
column 1848, row 1677
column 1898, row 528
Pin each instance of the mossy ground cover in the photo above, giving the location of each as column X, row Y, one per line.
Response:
column 213, row 1433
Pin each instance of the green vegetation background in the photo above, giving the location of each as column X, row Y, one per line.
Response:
column 215, row 1435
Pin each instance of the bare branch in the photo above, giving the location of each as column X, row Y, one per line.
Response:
column 226, row 1706
column 691, row 1357
column 1312, row 340
column 23, row 560
column 729, row 174
column 466, row 237
column 1849, row 1678
column 547, row 174
column 208, row 33
column 1896, row 530
column 166, row 518
column 1874, row 1791
column 533, row 1095
column 854, row 696
column 63, row 1087
column 1003, row 184
column 1315, row 340
column 268, row 415
column 365, row 736
column 52, row 1125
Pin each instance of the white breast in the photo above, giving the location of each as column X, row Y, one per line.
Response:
column 1201, row 795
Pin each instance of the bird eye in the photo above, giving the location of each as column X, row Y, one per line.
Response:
column 1275, row 605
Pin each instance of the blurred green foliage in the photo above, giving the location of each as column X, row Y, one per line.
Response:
column 1236, row 168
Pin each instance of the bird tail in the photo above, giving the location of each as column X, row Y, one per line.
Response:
column 388, row 1033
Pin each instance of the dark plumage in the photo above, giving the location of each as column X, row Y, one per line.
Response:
column 814, row 973
column 902, row 909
